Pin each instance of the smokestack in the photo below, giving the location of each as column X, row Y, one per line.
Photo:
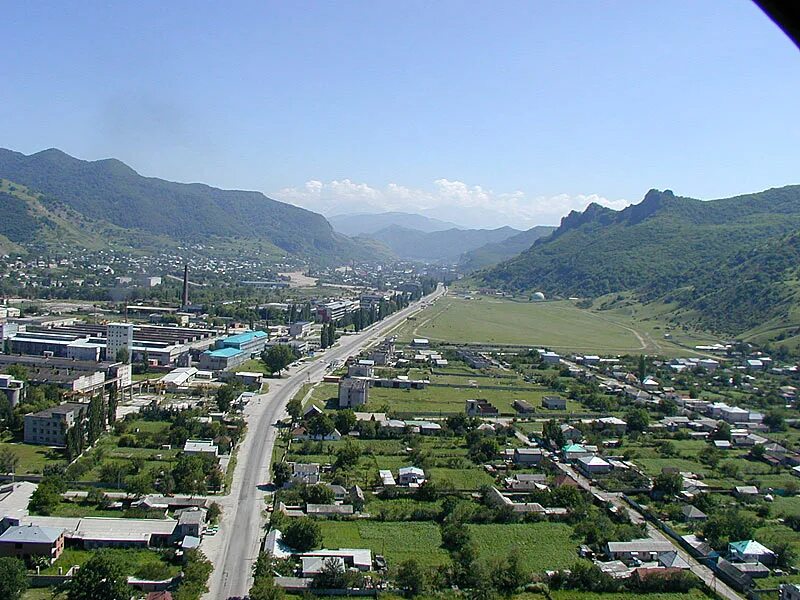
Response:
column 185, row 298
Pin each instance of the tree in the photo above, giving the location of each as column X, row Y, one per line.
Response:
column 278, row 357
column 225, row 396
column 303, row 534
column 321, row 425
column 347, row 456
column 667, row 484
column 722, row 432
column 637, row 419
column 18, row 372
column 774, row 420
column 509, row 575
column 785, row 555
column 411, row 577
column 13, row 578
column 553, row 434
column 281, row 473
column 264, row 589
column 46, row 497
column 642, row 367
column 9, row 460
column 332, row 576
column 101, row 577
column 345, row 421
column 295, row 409
column 728, row 526
column 123, row 356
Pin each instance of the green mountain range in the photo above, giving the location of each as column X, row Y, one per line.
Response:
column 92, row 194
column 730, row 264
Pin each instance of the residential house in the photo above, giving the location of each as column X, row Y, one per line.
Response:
column 523, row 407
column 387, row 479
column 554, row 403
column 348, row 558
column 25, row 541
column 573, row 452
column 527, row 456
column 751, row 551
column 411, row 476
column 305, row 473
column 593, row 465
column 480, row 408
column 692, row 514
column 644, row 550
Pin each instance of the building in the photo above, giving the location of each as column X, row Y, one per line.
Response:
column 25, row 541
column 550, row 358
column 480, row 407
column 353, row 392
column 411, row 476
column 301, row 329
column 593, row 465
column 305, row 473
column 49, row 427
column 644, row 550
column 222, row 359
column 789, row 591
column 201, row 447
column 81, row 377
column 527, row 456
column 573, row 452
column 523, row 407
column 12, row 388
column 387, row 479
column 693, row 514
column 334, row 311
column 751, row 551
column 119, row 336
column 554, row 403
column 363, row 368
column 347, row 558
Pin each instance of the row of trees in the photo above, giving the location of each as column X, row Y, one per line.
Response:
column 327, row 335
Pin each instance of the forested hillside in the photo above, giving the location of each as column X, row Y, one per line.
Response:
column 495, row 252
column 731, row 260
column 110, row 191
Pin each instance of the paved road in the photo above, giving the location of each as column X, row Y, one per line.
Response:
column 234, row 549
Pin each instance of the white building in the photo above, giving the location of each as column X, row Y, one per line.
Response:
column 118, row 336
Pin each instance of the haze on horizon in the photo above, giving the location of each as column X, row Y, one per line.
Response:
column 472, row 113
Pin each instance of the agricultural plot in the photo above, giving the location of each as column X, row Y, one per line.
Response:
column 398, row 541
column 539, row 546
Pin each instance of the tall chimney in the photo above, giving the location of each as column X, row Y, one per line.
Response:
column 185, row 298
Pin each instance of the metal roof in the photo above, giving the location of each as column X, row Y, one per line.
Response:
column 31, row 534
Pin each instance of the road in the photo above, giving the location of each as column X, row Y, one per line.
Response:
column 234, row 549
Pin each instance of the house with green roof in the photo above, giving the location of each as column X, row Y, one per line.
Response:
column 751, row 551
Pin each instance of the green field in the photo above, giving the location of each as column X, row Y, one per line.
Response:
column 32, row 459
column 559, row 325
column 396, row 541
column 539, row 546
column 142, row 563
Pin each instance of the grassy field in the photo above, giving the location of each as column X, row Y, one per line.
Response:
column 559, row 325
column 32, row 458
column 396, row 541
column 137, row 562
column 539, row 546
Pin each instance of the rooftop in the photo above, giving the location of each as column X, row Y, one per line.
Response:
column 31, row 534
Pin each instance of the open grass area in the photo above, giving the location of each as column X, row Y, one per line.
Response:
column 396, row 541
column 138, row 562
column 32, row 458
column 576, row 595
column 539, row 546
column 254, row 365
column 559, row 325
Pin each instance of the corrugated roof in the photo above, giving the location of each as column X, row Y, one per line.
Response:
column 223, row 352
column 243, row 338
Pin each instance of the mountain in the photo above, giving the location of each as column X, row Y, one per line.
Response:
column 708, row 256
column 109, row 191
column 493, row 253
column 439, row 246
column 367, row 223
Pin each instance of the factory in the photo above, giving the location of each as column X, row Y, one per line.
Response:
column 234, row 350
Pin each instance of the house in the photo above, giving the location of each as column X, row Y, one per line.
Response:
column 191, row 521
column 305, row 473
column 645, row 550
column 745, row 491
column 387, row 479
column 526, row 482
column 300, row 329
column 527, row 456
column 750, row 551
column 693, row 514
column 593, row 465
column 573, row 452
column 201, row 447
column 25, row 541
column 353, row 392
column 329, row 510
column 347, row 558
column 480, row 408
column 339, row 492
column 411, row 476
column 570, row 433
column 275, row 545
column 523, row 407
column 312, row 411
column 550, row 358
column 789, row 591
column 554, row 403
column 672, row 560
column 613, row 424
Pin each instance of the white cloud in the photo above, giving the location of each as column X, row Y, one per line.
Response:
column 469, row 205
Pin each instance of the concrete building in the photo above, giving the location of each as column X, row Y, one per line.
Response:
column 353, row 392
column 593, row 465
column 222, row 359
column 334, row 311
column 201, row 447
column 49, row 427
column 119, row 336
column 26, row 541
column 480, row 408
column 12, row 388
column 301, row 329
column 523, row 407
column 527, row 456
column 554, row 403
column 363, row 368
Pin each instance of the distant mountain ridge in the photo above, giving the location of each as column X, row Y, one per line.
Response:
column 367, row 223
column 438, row 246
column 698, row 253
column 110, row 191
column 496, row 252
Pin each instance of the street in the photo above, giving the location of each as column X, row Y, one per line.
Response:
column 235, row 548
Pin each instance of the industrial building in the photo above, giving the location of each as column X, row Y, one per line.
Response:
column 333, row 311
column 49, row 427
column 12, row 388
column 75, row 376
column 234, row 350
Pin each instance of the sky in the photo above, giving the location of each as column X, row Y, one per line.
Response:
column 480, row 113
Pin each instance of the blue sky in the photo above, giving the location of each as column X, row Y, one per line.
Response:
column 480, row 113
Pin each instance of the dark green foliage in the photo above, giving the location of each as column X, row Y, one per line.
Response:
column 281, row 473
column 13, row 578
column 411, row 577
column 728, row 526
column 195, row 576
column 303, row 534
column 101, row 577
column 278, row 357
column 730, row 260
